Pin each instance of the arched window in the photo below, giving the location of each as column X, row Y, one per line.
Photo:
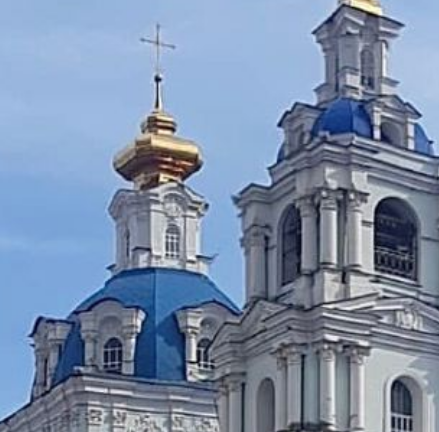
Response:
column 395, row 239
column 291, row 244
column 172, row 242
column 113, row 356
column 265, row 404
column 203, row 358
column 367, row 69
column 402, row 419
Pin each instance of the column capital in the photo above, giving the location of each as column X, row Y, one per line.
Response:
column 223, row 389
column 280, row 352
column 356, row 199
column 307, row 206
column 255, row 236
column 328, row 198
column 327, row 350
column 235, row 386
column 294, row 354
column 234, row 382
column 357, row 354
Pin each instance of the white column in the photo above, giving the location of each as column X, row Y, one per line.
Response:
column 294, row 387
column 40, row 373
column 328, row 229
column 355, row 231
column 255, row 243
column 53, row 358
column 308, row 216
column 129, row 351
column 357, row 390
column 281, row 394
column 327, row 386
column 89, row 338
column 223, row 408
column 235, row 406
column 191, row 345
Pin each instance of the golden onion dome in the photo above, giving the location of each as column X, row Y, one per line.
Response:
column 158, row 155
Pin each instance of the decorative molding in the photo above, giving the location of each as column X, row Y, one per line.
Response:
column 408, row 318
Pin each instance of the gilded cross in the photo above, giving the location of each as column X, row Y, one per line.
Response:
column 158, row 43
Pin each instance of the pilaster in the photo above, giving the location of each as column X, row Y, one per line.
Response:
column 255, row 242
column 355, row 229
column 294, row 386
column 234, row 383
column 189, row 322
column 327, row 355
column 328, row 227
column 357, row 387
column 223, row 406
column 308, row 214
column 132, row 322
column 281, row 391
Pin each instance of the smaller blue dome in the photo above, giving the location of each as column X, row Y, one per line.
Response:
column 422, row 142
column 160, row 293
column 344, row 116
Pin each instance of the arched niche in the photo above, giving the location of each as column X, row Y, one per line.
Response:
column 265, row 404
column 290, row 241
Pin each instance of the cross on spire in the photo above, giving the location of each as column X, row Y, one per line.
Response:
column 159, row 45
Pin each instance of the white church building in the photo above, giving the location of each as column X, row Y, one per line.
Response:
column 340, row 327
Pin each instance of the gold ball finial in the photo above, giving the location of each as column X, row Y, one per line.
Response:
column 370, row 6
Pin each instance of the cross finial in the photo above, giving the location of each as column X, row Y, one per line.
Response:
column 159, row 45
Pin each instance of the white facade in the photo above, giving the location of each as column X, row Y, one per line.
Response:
column 340, row 328
column 90, row 403
column 159, row 227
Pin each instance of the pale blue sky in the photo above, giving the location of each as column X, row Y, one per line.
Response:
column 74, row 85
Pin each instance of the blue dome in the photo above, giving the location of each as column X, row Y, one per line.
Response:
column 344, row 116
column 422, row 143
column 160, row 293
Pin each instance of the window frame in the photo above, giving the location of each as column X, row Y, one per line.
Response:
column 173, row 247
column 402, row 418
column 396, row 251
column 112, row 356
column 205, row 364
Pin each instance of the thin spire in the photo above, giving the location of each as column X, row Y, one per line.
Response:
column 158, row 77
column 158, row 104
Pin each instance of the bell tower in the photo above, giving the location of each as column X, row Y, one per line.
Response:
column 158, row 221
column 341, row 219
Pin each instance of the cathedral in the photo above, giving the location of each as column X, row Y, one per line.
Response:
column 340, row 327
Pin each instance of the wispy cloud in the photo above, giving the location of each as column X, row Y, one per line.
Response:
column 28, row 245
